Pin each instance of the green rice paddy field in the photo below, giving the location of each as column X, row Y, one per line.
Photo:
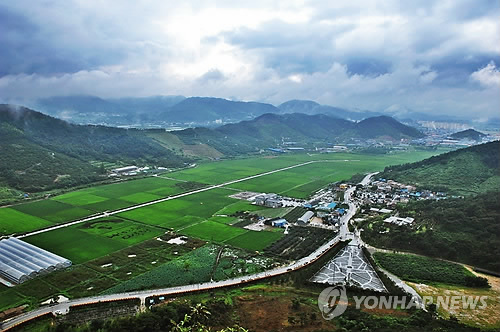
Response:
column 203, row 215
column 186, row 214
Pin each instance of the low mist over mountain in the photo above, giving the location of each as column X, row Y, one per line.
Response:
column 311, row 107
column 95, row 110
column 161, row 111
column 60, row 154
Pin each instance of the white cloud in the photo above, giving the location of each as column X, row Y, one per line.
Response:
column 488, row 76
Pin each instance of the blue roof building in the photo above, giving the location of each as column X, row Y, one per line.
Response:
column 279, row 223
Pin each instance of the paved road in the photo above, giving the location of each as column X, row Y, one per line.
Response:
column 64, row 307
column 367, row 178
column 142, row 295
column 344, row 221
column 138, row 206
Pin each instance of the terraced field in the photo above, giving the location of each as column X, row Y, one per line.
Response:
column 204, row 215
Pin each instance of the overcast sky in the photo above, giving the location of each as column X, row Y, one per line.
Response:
column 427, row 56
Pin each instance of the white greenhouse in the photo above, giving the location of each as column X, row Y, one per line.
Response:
column 20, row 261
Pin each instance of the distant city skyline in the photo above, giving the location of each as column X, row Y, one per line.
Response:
column 439, row 57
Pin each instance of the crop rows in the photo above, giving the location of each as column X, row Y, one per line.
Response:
column 300, row 242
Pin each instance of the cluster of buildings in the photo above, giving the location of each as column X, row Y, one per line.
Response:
column 322, row 210
column 268, row 200
column 127, row 171
column 135, row 170
column 399, row 221
column 389, row 193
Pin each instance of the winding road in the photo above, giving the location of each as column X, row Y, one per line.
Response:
column 142, row 295
column 63, row 308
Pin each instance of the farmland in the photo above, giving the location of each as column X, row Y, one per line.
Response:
column 255, row 241
column 419, row 268
column 205, row 215
column 93, row 239
column 298, row 182
column 213, row 231
column 194, row 267
column 96, row 275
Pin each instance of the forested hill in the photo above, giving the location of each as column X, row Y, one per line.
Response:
column 270, row 130
column 463, row 230
column 273, row 127
column 466, row 171
column 39, row 152
column 470, row 134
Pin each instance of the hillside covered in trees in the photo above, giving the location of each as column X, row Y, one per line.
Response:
column 466, row 171
column 463, row 230
column 39, row 152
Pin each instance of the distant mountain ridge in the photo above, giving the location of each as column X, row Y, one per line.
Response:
column 311, row 107
column 155, row 111
column 271, row 130
column 40, row 152
column 206, row 111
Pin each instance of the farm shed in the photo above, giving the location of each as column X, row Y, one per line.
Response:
column 279, row 223
column 306, row 217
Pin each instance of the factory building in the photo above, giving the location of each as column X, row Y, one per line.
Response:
column 269, row 200
column 126, row 169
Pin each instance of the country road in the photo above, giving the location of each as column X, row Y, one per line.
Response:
column 138, row 206
column 142, row 295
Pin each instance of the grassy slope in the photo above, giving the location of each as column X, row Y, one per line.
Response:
column 418, row 268
column 466, row 171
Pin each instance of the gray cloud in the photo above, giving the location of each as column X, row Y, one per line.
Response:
column 427, row 56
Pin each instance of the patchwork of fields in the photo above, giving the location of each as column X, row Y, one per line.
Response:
column 204, row 215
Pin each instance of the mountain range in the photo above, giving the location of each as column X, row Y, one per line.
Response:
column 188, row 112
column 176, row 110
column 40, row 152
